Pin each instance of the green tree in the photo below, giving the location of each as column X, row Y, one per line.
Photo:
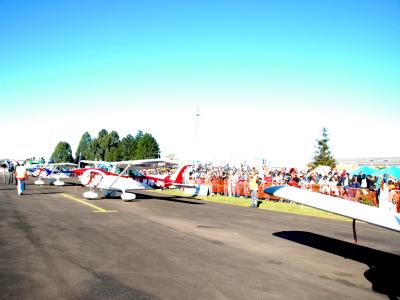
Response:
column 147, row 147
column 93, row 150
column 139, row 135
column 62, row 153
column 127, row 148
column 101, row 145
column 110, row 142
column 102, row 133
column 108, row 146
column 323, row 156
column 82, row 152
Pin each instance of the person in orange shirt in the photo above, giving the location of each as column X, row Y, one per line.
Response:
column 21, row 175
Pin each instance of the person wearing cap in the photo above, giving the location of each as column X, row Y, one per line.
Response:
column 20, row 174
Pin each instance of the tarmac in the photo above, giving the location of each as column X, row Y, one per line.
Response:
column 54, row 244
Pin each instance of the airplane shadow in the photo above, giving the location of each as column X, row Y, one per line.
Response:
column 66, row 183
column 179, row 199
column 41, row 193
column 383, row 267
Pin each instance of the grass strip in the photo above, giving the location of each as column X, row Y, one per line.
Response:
column 287, row 207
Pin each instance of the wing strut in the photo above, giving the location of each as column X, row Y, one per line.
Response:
column 354, row 232
column 119, row 176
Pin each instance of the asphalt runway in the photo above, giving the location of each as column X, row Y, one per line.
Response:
column 56, row 245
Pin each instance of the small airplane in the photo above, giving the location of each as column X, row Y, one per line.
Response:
column 129, row 179
column 347, row 208
column 52, row 172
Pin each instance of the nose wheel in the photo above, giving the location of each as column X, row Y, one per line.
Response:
column 90, row 195
column 128, row 197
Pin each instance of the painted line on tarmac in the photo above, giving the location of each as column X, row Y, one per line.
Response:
column 98, row 209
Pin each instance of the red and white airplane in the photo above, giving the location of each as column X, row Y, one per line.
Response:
column 354, row 210
column 129, row 179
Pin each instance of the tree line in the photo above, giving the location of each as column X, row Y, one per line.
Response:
column 108, row 146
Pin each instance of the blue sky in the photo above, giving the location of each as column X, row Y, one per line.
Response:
column 283, row 66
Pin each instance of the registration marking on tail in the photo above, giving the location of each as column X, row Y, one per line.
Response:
column 98, row 209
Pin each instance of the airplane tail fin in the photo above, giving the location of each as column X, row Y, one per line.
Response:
column 78, row 172
column 177, row 177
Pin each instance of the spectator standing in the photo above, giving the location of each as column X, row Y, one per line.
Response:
column 354, row 184
column 209, row 183
column 10, row 169
column 384, row 199
column 6, row 174
column 253, row 185
column 370, row 183
column 333, row 186
column 324, row 185
column 21, row 175
column 362, row 180
column 235, row 183
column 230, row 184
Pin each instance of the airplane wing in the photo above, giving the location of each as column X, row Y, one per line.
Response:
column 64, row 164
column 354, row 210
column 144, row 163
column 94, row 162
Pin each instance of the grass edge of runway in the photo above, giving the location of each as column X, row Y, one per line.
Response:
column 285, row 207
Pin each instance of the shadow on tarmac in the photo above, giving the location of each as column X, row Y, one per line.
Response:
column 178, row 199
column 140, row 197
column 383, row 267
column 32, row 192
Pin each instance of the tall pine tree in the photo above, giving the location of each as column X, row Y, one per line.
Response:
column 323, row 156
column 82, row 152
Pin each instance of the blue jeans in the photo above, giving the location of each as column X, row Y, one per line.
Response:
column 254, row 199
column 21, row 186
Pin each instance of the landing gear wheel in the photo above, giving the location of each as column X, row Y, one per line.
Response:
column 127, row 197
column 90, row 195
column 39, row 182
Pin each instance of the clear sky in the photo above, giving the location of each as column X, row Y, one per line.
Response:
column 266, row 75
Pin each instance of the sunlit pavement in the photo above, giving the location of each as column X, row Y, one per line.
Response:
column 56, row 245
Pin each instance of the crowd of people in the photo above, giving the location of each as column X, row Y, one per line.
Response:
column 249, row 181
column 240, row 181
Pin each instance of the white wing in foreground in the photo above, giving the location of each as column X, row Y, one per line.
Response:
column 343, row 207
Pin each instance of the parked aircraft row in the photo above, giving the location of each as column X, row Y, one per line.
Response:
column 124, row 178
column 110, row 177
